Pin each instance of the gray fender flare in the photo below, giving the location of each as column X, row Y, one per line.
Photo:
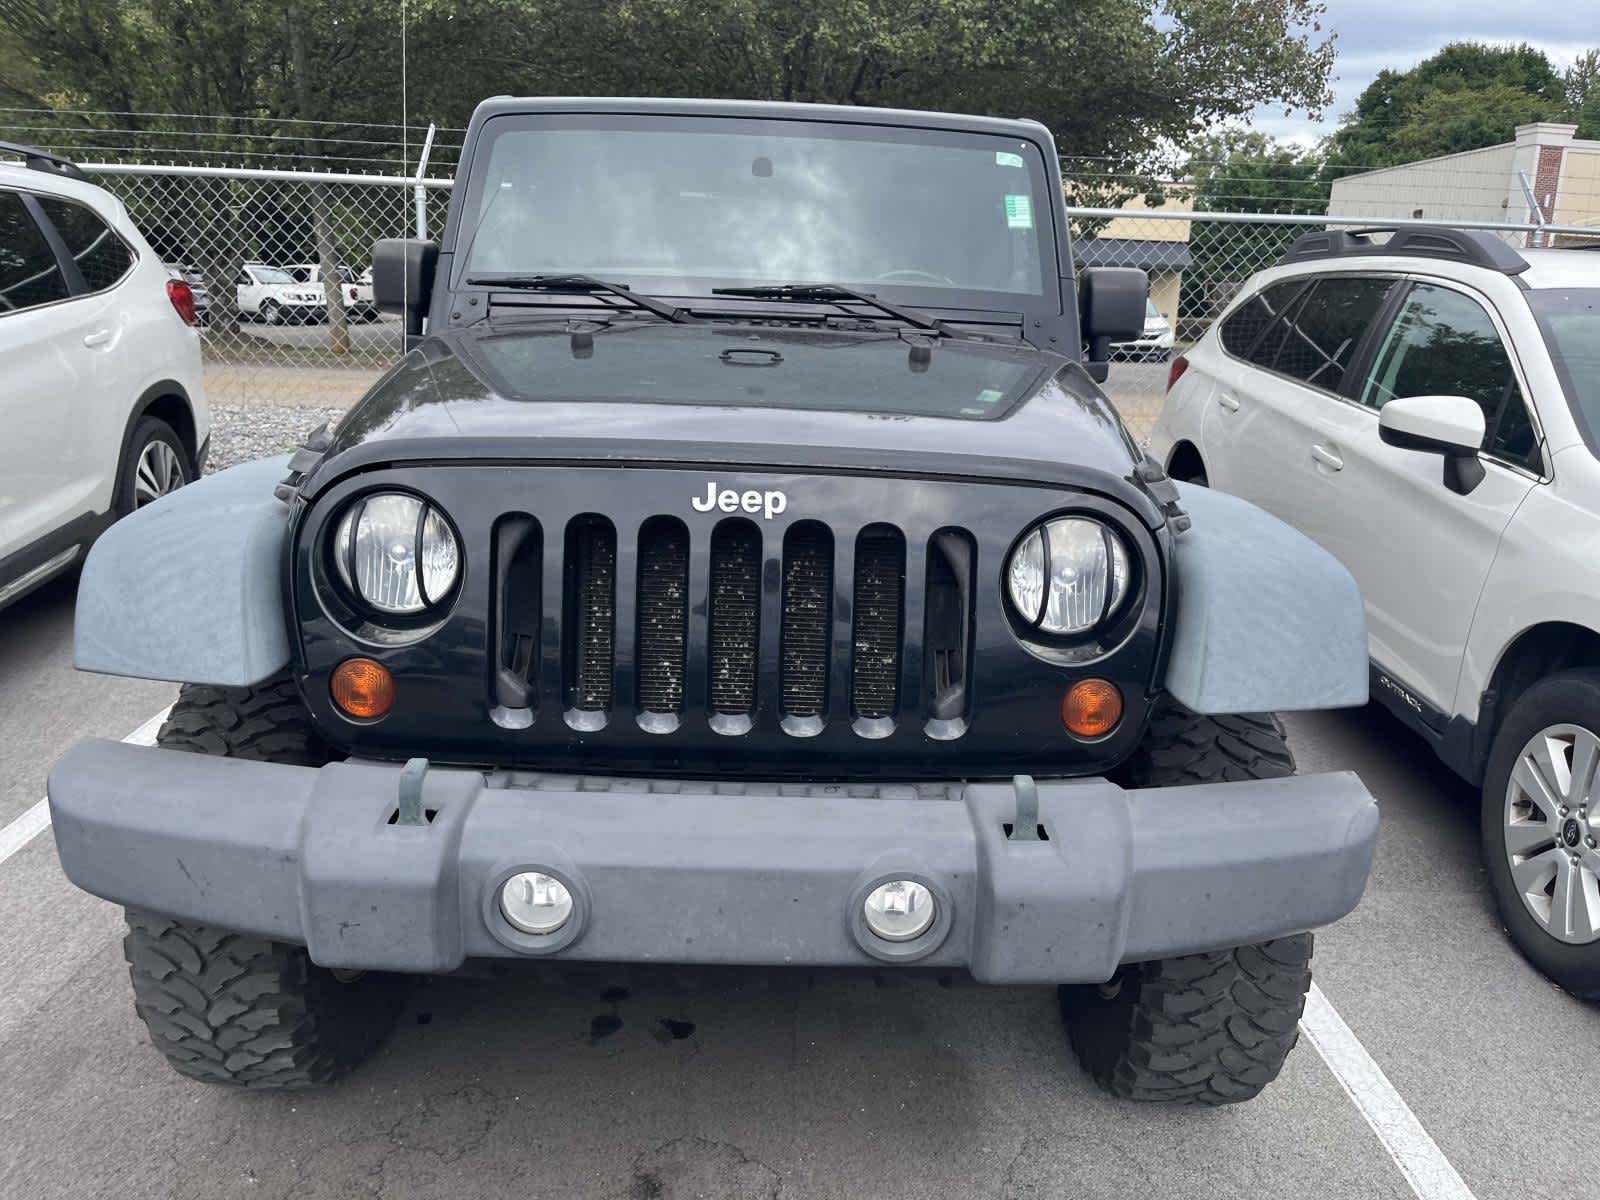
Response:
column 1267, row 620
column 190, row 588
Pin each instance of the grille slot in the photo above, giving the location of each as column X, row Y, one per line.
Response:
column 735, row 620
column 663, row 614
column 805, row 629
column 880, row 582
column 946, row 636
column 591, row 613
column 518, row 554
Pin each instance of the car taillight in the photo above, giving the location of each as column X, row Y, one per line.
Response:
column 352, row 293
column 1175, row 372
column 182, row 297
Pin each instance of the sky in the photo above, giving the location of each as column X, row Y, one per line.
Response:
column 1374, row 34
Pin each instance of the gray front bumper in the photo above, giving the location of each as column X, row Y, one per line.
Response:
column 675, row 872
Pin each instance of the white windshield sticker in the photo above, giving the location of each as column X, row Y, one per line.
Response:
column 1019, row 212
column 1004, row 158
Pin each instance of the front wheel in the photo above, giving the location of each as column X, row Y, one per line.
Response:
column 1201, row 1028
column 227, row 1007
column 1541, row 828
column 272, row 312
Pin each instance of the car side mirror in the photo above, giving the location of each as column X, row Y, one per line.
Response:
column 1449, row 425
column 1111, row 306
column 402, row 278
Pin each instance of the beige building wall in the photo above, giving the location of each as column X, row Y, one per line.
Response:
column 1470, row 186
column 1578, row 195
column 1562, row 170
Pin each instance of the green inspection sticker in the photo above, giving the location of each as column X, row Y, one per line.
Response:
column 1019, row 212
column 989, row 397
column 1004, row 158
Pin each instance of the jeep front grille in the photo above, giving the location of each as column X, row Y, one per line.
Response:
column 797, row 623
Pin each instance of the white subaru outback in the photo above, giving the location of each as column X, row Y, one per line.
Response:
column 101, row 397
column 1428, row 409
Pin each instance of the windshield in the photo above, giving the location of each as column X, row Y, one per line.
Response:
column 1570, row 320
column 271, row 275
column 679, row 206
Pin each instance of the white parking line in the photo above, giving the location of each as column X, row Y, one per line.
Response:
column 37, row 819
column 1417, row 1155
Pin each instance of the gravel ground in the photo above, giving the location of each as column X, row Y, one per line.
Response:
column 242, row 432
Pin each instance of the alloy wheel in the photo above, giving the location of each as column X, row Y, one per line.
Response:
column 1551, row 829
column 159, row 471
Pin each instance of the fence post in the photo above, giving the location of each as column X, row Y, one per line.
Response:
column 328, row 261
column 422, row 192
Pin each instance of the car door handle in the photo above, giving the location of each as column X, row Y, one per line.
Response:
column 1327, row 458
column 98, row 338
column 1227, row 402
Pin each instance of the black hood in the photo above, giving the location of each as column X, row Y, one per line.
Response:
column 712, row 392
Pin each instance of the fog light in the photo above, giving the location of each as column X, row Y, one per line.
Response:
column 535, row 902
column 899, row 910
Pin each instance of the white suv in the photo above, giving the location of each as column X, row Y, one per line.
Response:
column 1428, row 409
column 101, row 396
column 274, row 295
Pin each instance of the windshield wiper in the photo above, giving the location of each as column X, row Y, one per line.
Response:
column 833, row 293
column 582, row 285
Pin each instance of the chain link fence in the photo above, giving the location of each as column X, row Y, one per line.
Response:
column 280, row 264
column 262, row 244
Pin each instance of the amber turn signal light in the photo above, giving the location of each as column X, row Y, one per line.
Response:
column 1091, row 708
column 363, row 689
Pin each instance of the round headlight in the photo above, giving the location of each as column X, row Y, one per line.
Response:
column 397, row 553
column 1068, row 575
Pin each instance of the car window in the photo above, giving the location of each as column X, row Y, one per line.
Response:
column 271, row 275
column 1243, row 327
column 1443, row 343
column 1320, row 337
column 102, row 257
column 29, row 274
column 1570, row 321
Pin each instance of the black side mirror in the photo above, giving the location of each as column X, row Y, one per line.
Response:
column 1111, row 305
column 402, row 278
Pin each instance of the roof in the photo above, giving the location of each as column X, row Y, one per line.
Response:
column 14, row 174
column 768, row 109
column 1133, row 252
column 1562, row 268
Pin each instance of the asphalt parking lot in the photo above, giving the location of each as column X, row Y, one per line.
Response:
column 765, row 1084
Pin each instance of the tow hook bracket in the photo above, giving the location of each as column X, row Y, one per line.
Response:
column 411, row 777
column 1025, row 826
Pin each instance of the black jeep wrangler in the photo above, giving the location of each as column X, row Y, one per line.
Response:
column 741, row 566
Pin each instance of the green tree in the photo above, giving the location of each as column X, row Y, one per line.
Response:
column 1466, row 96
column 1116, row 79
column 1582, row 85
